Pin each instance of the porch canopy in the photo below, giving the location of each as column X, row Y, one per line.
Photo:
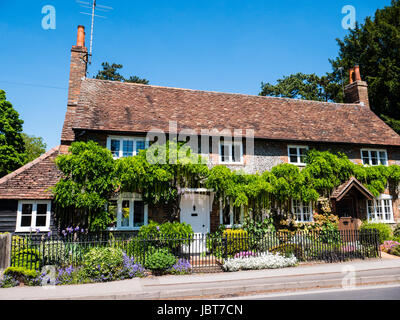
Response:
column 349, row 202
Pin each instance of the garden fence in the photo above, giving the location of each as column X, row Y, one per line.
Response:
column 205, row 253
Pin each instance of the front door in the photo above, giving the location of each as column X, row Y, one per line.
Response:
column 195, row 210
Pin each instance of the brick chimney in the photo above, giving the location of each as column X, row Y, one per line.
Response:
column 357, row 90
column 77, row 72
column 78, row 67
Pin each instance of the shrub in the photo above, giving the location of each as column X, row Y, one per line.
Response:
column 21, row 274
column 103, row 264
column 237, row 241
column 396, row 251
column 384, row 230
column 264, row 261
column 8, row 282
column 53, row 251
column 71, row 275
column 131, row 269
column 183, row 266
column 389, row 246
column 26, row 258
column 396, row 231
column 160, row 261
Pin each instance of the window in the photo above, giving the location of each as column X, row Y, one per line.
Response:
column 302, row 211
column 126, row 146
column 231, row 152
column 380, row 210
column 297, row 154
column 374, row 157
column 129, row 212
column 33, row 216
column 231, row 216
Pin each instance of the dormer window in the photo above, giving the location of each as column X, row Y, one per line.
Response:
column 297, row 155
column 122, row 147
column 374, row 157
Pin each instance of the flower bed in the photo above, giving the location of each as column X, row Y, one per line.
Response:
column 391, row 247
column 264, row 261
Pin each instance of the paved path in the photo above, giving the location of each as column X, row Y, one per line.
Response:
column 375, row 271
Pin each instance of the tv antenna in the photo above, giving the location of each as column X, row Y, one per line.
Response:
column 93, row 6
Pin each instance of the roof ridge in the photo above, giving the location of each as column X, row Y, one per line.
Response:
column 28, row 165
column 224, row 93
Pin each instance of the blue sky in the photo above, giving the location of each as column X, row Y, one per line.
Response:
column 228, row 46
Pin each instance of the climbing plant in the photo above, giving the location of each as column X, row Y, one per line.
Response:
column 163, row 172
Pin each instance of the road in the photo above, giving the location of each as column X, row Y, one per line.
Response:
column 391, row 292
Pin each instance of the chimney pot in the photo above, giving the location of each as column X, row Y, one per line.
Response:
column 80, row 42
column 357, row 73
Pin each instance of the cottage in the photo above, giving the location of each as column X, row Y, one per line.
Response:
column 266, row 131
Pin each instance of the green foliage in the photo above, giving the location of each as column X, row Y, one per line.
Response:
column 374, row 46
column 53, row 251
column 160, row 261
column 288, row 249
column 34, row 147
column 103, row 263
column 171, row 230
column 237, row 240
column 384, row 230
column 21, row 274
column 89, row 177
column 26, row 258
column 110, row 72
column 303, row 86
column 396, row 231
column 257, row 229
column 12, row 147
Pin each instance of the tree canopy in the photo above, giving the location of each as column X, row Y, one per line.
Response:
column 374, row 46
column 34, row 147
column 12, row 147
column 110, row 72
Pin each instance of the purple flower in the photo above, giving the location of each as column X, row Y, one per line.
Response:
column 158, row 228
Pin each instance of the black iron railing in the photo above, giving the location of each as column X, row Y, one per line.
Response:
column 205, row 253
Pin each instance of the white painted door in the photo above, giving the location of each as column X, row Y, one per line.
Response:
column 195, row 210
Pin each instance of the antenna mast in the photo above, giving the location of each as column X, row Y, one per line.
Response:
column 93, row 6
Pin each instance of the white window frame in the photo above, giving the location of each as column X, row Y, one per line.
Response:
column 131, row 197
column 301, row 206
column 33, row 226
column 297, row 147
column 121, row 140
column 372, row 216
column 231, row 224
column 230, row 144
column 370, row 158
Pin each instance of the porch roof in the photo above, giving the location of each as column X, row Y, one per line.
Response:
column 344, row 188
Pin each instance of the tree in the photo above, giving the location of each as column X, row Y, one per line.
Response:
column 110, row 72
column 375, row 45
column 304, row 86
column 12, row 148
column 34, row 147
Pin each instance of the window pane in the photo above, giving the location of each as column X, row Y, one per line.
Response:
column 138, row 214
column 383, row 158
column 41, row 221
column 26, row 218
column 303, row 152
column 140, row 145
column 127, row 148
column 226, row 217
column 115, row 147
column 125, row 213
column 224, row 152
column 41, row 209
column 237, row 216
column 236, row 153
column 112, row 211
column 374, row 158
column 388, row 213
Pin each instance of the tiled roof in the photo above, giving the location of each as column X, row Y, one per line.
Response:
column 33, row 180
column 342, row 190
column 128, row 107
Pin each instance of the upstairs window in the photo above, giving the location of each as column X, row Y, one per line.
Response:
column 302, row 211
column 231, row 152
column 374, row 157
column 33, row 216
column 126, row 146
column 297, row 155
